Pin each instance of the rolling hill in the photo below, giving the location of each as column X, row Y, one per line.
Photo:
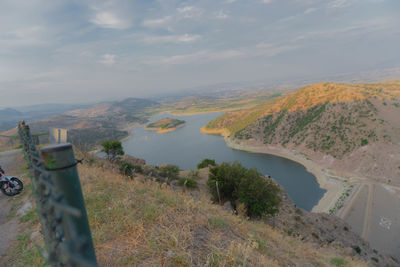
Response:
column 352, row 127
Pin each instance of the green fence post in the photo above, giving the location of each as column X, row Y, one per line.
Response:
column 59, row 160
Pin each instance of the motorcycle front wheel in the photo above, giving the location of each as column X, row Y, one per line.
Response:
column 13, row 187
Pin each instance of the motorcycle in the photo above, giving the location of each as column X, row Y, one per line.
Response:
column 10, row 185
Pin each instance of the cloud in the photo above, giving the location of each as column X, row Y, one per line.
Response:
column 23, row 36
column 185, row 38
column 190, row 11
column 110, row 20
column 310, row 10
column 203, row 56
column 221, row 15
column 154, row 23
column 339, row 3
column 267, row 1
column 108, row 59
column 206, row 56
column 360, row 28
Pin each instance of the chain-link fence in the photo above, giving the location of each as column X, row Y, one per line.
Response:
column 59, row 202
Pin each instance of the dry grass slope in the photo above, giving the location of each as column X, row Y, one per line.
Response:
column 148, row 224
column 303, row 99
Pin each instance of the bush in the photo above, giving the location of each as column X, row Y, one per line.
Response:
column 338, row 262
column 171, row 172
column 249, row 187
column 189, row 184
column 205, row 163
column 129, row 169
column 364, row 142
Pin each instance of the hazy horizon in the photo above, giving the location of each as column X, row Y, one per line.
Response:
column 89, row 51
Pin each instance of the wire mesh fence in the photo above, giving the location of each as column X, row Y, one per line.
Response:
column 59, row 202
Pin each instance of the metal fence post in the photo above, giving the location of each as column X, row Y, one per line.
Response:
column 60, row 161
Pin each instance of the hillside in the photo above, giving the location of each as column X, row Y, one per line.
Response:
column 141, row 222
column 354, row 128
column 88, row 127
column 303, row 99
column 216, row 101
column 165, row 125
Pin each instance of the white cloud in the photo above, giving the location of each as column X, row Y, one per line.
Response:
column 266, row 1
column 339, row 3
column 23, row 36
column 185, row 38
column 108, row 59
column 222, row 15
column 206, row 56
column 154, row 23
column 310, row 10
column 199, row 57
column 190, row 11
column 110, row 20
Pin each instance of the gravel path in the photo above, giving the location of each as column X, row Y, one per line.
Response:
column 10, row 161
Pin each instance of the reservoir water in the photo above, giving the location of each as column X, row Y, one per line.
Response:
column 187, row 146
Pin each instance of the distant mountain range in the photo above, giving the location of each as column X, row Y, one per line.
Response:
column 9, row 117
column 10, row 112
column 88, row 126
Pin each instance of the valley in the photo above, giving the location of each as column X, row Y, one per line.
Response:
column 347, row 136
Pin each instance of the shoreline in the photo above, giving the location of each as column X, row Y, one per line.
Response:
column 334, row 186
column 129, row 127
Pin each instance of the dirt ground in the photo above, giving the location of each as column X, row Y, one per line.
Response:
column 10, row 161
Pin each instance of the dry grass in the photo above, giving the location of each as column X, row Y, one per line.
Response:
column 143, row 223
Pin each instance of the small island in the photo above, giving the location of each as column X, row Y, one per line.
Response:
column 166, row 125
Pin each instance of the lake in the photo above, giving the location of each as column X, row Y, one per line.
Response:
column 187, row 146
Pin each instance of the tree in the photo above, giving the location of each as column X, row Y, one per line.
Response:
column 247, row 186
column 113, row 149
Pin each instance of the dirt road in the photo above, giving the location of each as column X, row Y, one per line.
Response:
column 10, row 161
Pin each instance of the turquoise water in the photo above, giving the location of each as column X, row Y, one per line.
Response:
column 187, row 146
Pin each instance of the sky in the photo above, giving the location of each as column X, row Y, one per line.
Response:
column 77, row 51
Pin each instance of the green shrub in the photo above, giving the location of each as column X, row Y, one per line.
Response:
column 249, row 187
column 364, row 142
column 129, row 169
column 217, row 222
column 338, row 261
column 357, row 249
column 205, row 163
column 190, row 182
column 171, row 172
